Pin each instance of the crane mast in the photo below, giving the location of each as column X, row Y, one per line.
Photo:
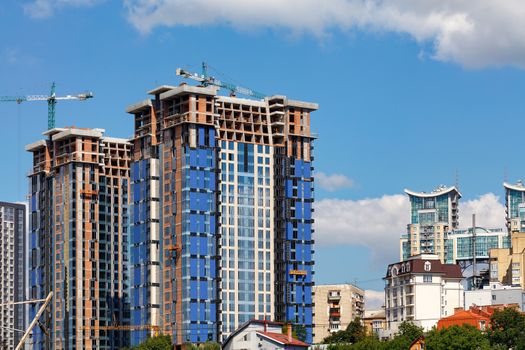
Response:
column 51, row 99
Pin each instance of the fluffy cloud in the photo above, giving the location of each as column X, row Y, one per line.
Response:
column 333, row 182
column 374, row 299
column 489, row 212
column 46, row 8
column 377, row 223
column 472, row 33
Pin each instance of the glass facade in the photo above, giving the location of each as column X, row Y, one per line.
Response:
column 234, row 212
column 459, row 244
column 199, row 234
column 299, row 245
column 247, row 234
column 144, row 246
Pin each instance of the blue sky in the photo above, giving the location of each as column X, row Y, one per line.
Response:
column 411, row 95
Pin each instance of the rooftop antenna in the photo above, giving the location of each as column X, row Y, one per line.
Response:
column 457, row 178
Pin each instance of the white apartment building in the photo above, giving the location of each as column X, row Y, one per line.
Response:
column 13, row 263
column 421, row 290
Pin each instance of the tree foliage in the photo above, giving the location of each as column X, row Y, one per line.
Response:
column 204, row 346
column 354, row 332
column 159, row 342
column 463, row 337
column 508, row 329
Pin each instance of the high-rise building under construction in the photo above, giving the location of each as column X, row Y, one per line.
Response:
column 78, row 209
column 221, row 223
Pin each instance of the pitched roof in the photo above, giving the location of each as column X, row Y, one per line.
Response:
column 282, row 339
column 418, row 266
column 246, row 324
column 468, row 314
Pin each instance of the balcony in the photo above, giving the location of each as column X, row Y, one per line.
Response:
column 335, row 313
column 334, row 296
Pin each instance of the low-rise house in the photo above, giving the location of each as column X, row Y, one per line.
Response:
column 476, row 316
column 262, row 335
column 496, row 294
column 375, row 322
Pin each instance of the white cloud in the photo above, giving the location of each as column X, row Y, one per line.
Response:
column 333, row 182
column 490, row 213
column 374, row 299
column 472, row 33
column 46, row 8
column 378, row 223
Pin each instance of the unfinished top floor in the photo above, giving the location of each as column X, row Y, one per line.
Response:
column 71, row 144
column 270, row 121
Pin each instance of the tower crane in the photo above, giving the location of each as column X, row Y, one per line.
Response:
column 51, row 99
column 205, row 79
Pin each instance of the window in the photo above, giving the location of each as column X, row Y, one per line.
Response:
column 427, row 278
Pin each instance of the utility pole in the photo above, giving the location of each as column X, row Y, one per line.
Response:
column 474, row 275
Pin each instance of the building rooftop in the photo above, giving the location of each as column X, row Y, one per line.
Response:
column 75, row 132
column 283, row 339
column 424, row 264
column 35, row 145
column 372, row 314
column 139, row 106
column 440, row 190
column 516, row 187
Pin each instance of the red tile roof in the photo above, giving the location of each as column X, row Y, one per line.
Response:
column 472, row 316
column 283, row 339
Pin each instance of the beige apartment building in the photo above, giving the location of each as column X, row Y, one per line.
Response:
column 506, row 264
column 335, row 306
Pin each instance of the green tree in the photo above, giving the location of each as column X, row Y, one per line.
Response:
column 204, row 346
column 356, row 330
column 370, row 343
column 465, row 337
column 507, row 329
column 159, row 342
column 407, row 333
column 409, row 330
column 300, row 332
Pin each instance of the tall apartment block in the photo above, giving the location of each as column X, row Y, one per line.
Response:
column 515, row 206
column 13, row 274
column 78, row 208
column 507, row 264
column 222, row 193
column 432, row 216
column 335, row 306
